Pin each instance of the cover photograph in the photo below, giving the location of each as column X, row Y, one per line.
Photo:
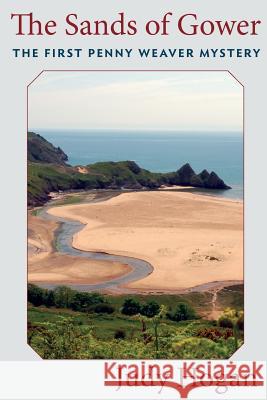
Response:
column 133, row 201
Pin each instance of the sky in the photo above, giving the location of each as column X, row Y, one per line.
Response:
column 173, row 101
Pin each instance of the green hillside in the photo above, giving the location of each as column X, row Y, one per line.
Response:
column 48, row 171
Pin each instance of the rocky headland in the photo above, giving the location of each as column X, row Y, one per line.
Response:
column 48, row 171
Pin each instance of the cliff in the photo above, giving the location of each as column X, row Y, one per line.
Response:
column 40, row 150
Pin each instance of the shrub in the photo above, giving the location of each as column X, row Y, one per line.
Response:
column 233, row 317
column 119, row 334
column 236, row 318
column 214, row 333
column 183, row 312
column 64, row 340
column 200, row 348
column 131, row 307
column 150, row 309
column 225, row 322
column 103, row 308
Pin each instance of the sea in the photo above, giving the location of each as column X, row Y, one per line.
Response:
column 158, row 151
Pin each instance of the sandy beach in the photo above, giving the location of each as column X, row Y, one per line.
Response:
column 189, row 239
column 45, row 265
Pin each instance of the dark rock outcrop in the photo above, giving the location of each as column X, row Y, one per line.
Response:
column 214, row 182
column 185, row 174
column 204, row 175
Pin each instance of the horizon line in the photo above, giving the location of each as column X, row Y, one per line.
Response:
column 120, row 130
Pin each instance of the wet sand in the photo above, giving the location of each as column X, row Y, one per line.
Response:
column 46, row 265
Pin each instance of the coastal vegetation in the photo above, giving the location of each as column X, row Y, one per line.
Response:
column 66, row 324
column 48, row 171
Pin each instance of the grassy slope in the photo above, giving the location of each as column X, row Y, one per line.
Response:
column 44, row 178
column 231, row 296
column 105, row 325
column 48, row 171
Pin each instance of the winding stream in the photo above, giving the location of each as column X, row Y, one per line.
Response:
column 63, row 243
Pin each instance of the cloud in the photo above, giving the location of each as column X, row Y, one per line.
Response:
column 173, row 101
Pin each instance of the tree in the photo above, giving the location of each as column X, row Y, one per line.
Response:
column 63, row 296
column 150, row 309
column 131, row 307
column 154, row 321
column 183, row 312
column 103, row 308
column 83, row 301
column 36, row 295
column 50, row 298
